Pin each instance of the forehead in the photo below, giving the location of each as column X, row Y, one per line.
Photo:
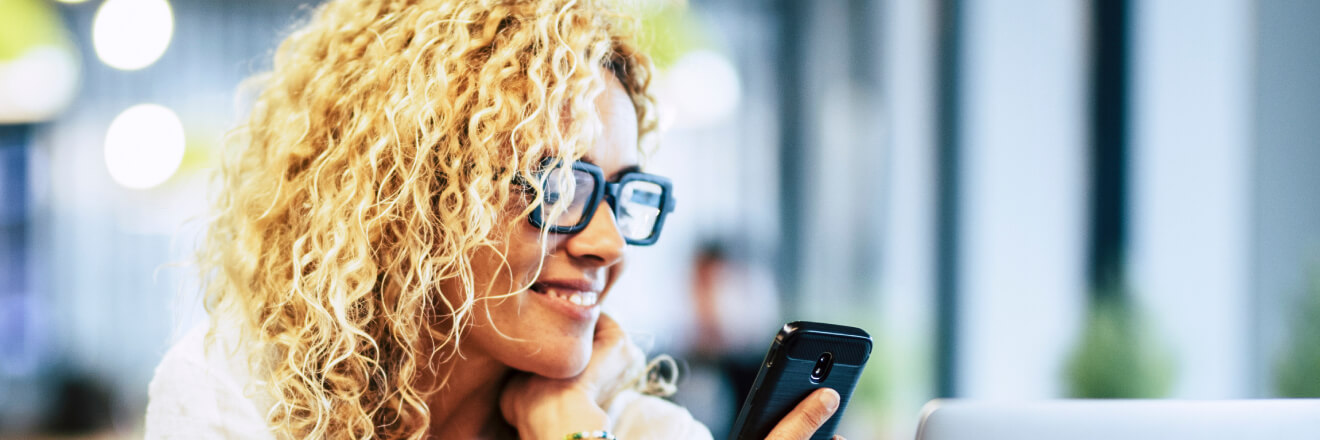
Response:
column 616, row 148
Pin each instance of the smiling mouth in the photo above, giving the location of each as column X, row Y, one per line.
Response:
column 581, row 298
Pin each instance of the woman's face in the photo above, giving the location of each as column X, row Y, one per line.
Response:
column 544, row 330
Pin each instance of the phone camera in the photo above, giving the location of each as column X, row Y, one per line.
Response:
column 822, row 368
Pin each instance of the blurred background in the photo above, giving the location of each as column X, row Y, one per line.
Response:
column 1017, row 199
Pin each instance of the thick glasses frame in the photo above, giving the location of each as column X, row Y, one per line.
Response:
column 610, row 191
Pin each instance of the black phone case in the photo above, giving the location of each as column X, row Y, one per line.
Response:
column 785, row 376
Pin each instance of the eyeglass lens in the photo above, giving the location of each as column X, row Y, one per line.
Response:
column 638, row 208
column 567, row 198
column 565, row 202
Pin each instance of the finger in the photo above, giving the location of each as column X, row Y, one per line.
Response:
column 613, row 344
column 807, row 417
column 608, row 331
column 607, row 325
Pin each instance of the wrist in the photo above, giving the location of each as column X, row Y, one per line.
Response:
column 568, row 413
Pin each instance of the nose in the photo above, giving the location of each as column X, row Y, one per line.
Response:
column 600, row 243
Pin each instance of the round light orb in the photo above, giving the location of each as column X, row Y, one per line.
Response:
column 704, row 88
column 144, row 146
column 132, row 34
column 37, row 85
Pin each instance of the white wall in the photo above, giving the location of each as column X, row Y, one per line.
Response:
column 1024, row 194
column 1190, row 188
column 906, row 295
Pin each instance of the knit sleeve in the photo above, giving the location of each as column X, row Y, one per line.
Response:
column 637, row 416
column 190, row 398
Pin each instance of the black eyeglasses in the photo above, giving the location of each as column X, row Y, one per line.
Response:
column 640, row 201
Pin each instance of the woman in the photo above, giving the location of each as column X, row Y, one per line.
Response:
column 426, row 208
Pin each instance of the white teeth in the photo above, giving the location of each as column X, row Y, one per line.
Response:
column 588, row 298
column 584, row 299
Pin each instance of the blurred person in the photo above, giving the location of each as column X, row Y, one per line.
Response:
column 81, row 404
column 416, row 227
column 736, row 314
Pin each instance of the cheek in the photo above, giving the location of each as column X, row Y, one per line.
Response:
column 515, row 330
column 521, row 334
column 511, row 266
column 524, row 250
column 565, row 363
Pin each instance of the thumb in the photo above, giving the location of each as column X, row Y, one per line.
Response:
column 807, row 417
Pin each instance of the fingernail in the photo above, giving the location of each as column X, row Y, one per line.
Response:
column 831, row 400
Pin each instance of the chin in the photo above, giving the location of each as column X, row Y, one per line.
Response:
column 561, row 362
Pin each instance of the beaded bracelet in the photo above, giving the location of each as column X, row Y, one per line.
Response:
column 597, row 435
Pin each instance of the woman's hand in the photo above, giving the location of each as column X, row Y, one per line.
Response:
column 807, row 417
column 541, row 407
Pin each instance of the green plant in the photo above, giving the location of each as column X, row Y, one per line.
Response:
column 1297, row 373
column 27, row 24
column 671, row 31
column 1116, row 357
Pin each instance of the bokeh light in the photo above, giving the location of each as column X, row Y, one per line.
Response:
column 703, row 89
column 39, row 66
column 132, row 34
column 37, row 85
column 144, row 146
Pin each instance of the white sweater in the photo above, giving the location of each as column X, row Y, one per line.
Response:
column 202, row 392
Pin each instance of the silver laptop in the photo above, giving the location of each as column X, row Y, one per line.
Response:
column 1280, row 419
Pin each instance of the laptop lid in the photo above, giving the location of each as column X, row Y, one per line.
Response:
column 1277, row 419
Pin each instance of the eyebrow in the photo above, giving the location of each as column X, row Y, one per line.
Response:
column 622, row 171
column 625, row 170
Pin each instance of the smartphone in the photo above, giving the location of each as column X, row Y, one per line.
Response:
column 804, row 356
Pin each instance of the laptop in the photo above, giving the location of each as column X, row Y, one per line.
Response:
column 1276, row 419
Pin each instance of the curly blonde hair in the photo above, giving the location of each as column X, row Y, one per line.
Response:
column 377, row 157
